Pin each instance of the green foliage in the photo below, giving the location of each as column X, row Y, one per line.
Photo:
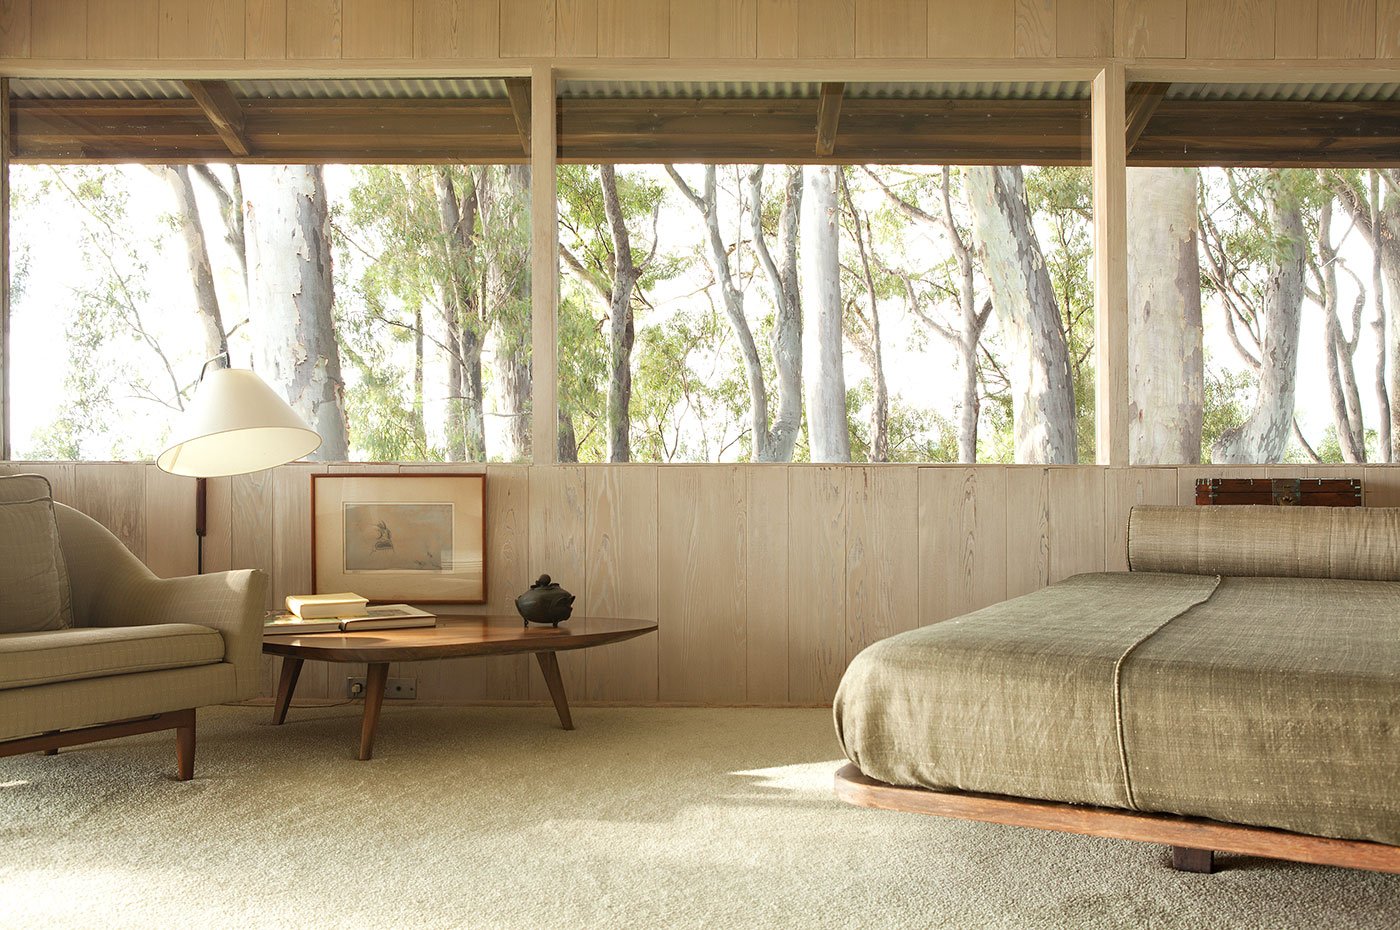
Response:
column 1229, row 396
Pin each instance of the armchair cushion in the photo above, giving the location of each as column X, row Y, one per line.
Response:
column 28, row 659
column 34, row 590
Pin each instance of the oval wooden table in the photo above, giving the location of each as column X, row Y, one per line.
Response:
column 453, row 637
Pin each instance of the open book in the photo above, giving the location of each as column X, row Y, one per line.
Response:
column 384, row 617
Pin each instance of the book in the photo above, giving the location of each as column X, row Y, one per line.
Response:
column 292, row 625
column 326, row 606
column 385, row 617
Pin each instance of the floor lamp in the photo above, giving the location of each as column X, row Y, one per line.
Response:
column 236, row 424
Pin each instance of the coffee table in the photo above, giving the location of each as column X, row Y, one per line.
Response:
column 451, row 638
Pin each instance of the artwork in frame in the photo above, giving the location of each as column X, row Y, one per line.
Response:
column 416, row 538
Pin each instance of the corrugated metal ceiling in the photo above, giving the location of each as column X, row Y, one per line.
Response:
column 435, row 88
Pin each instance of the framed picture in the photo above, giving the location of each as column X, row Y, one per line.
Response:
column 405, row 537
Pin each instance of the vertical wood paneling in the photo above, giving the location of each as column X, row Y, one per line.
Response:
column 1347, row 29
column 202, row 28
column 378, row 29
column 1084, row 28
column 171, row 543
column 1110, row 180
column 1035, row 29
column 218, row 526
column 58, row 29
column 1230, row 29
column 1187, row 475
column 962, row 540
column 634, row 28
column 527, row 28
column 891, row 28
column 123, row 29
column 314, row 29
column 702, row 568
column 14, row 28
column 816, row 582
column 1382, row 486
column 252, row 502
column 971, row 29
column 622, row 581
column 576, row 28
column 1149, row 28
column 1125, row 488
column 265, row 29
column 1027, row 529
column 806, row 28
column 1387, row 28
column 456, row 29
column 63, row 477
column 558, row 527
column 1295, row 28
column 114, row 494
column 291, row 564
column 767, row 585
column 777, row 28
column 1076, row 521
column 882, row 554
column 713, row 28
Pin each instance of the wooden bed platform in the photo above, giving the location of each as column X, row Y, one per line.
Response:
column 1194, row 841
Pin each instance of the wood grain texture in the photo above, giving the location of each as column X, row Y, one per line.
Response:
column 1382, row 487
column 123, row 29
column 14, row 28
column 377, row 29
column 527, row 28
column 1084, row 28
column 114, row 494
column 1027, row 529
column 1125, row 488
column 714, row 28
column 218, row 535
column 503, row 678
column 1230, row 29
column 576, row 28
column 882, row 554
column 1076, row 521
column 558, row 531
column 456, row 29
column 816, row 582
column 544, row 266
column 1149, row 28
column 702, row 564
column 891, row 28
column 806, row 28
column 634, row 28
column 962, row 539
column 971, row 29
column 314, row 29
column 1347, row 29
column 212, row 29
column 1035, row 29
column 766, row 607
column 291, row 559
column 58, row 29
column 622, row 579
column 1108, row 119
column 171, row 543
column 265, row 29
column 1387, row 28
column 1295, row 28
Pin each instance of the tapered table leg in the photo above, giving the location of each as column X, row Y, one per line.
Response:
column 184, row 746
column 549, row 667
column 291, row 670
column 377, row 677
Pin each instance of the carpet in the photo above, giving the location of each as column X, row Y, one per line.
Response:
column 489, row 817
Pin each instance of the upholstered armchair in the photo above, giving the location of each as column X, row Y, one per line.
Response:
column 127, row 652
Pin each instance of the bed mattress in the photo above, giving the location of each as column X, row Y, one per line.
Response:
column 1272, row 701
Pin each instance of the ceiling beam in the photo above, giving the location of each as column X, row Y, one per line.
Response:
column 1142, row 101
column 225, row 114
column 518, row 90
column 829, row 116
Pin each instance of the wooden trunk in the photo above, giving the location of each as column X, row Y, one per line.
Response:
column 1291, row 492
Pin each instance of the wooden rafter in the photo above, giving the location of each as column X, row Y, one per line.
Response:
column 225, row 114
column 1142, row 101
column 829, row 116
column 518, row 90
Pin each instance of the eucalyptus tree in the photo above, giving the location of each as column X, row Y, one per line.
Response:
column 828, row 434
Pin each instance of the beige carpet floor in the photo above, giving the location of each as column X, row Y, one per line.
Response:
column 493, row 817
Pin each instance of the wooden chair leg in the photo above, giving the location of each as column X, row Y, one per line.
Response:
column 1186, row 859
column 184, row 747
column 50, row 752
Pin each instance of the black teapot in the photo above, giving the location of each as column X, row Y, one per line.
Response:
column 545, row 602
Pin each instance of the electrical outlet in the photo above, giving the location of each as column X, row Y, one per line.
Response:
column 395, row 689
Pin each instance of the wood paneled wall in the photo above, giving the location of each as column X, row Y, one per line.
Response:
column 765, row 579
column 359, row 30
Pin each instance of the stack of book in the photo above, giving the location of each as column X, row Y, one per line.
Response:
column 342, row 613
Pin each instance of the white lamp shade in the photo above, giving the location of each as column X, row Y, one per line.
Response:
column 236, row 424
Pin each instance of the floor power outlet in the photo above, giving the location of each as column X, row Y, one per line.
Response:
column 395, row 689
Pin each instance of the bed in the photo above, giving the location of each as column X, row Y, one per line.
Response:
column 1238, row 690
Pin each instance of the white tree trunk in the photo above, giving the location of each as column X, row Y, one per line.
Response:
column 827, row 431
column 291, row 295
column 1166, row 374
column 1041, row 385
column 206, row 298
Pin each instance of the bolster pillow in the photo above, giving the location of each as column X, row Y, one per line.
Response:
column 1361, row 543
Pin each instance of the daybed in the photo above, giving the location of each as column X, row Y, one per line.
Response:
column 1244, row 674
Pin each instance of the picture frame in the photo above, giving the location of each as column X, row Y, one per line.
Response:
column 400, row 538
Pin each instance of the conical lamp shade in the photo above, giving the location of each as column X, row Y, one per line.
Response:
column 234, row 425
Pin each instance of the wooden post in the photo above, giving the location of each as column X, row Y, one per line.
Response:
column 1111, row 265
column 544, row 269
column 5, row 270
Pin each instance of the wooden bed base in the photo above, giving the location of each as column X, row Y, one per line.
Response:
column 1193, row 840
